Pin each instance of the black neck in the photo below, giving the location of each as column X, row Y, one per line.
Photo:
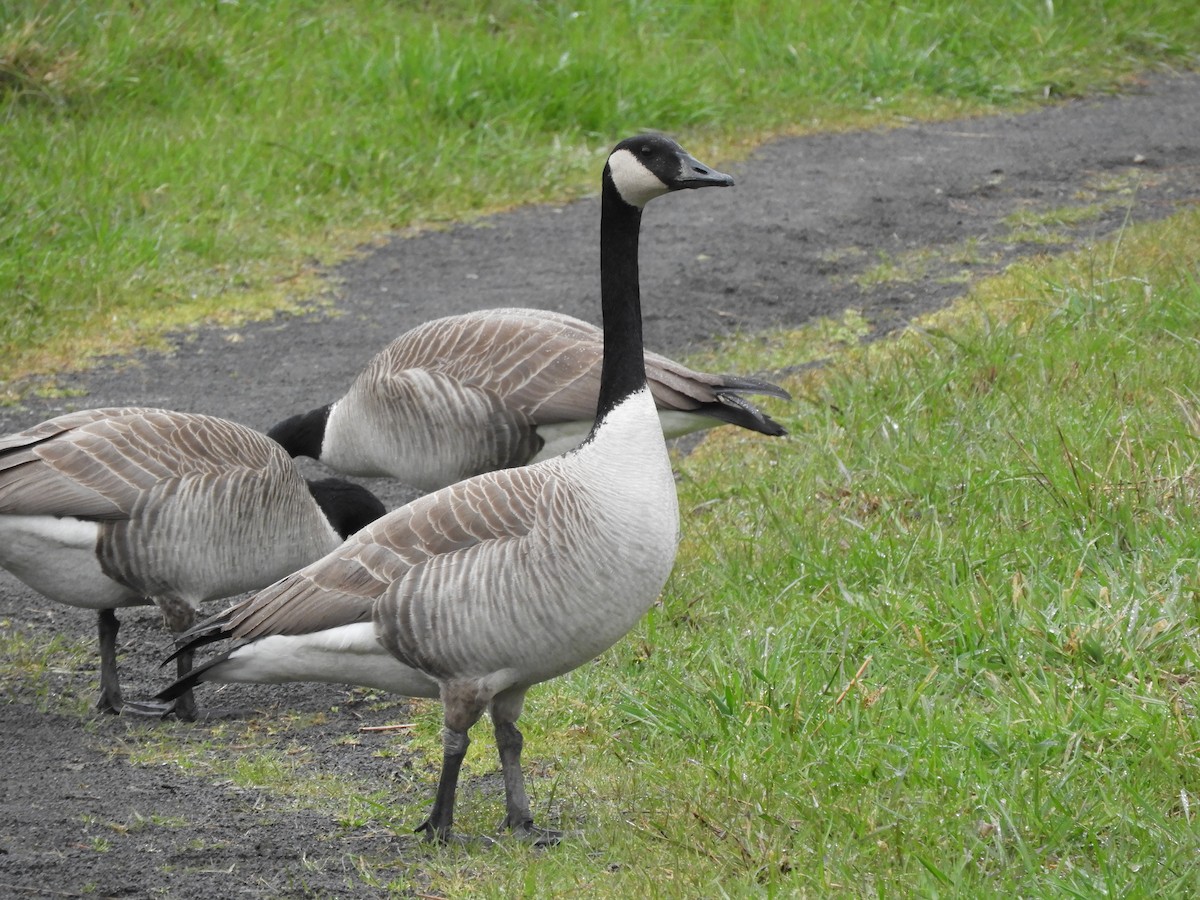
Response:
column 624, row 368
column 302, row 435
column 346, row 505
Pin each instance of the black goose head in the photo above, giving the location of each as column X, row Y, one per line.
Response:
column 650, row 165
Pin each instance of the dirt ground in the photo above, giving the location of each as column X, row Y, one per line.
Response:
column 780, row 248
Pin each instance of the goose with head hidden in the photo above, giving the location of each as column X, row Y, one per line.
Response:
column 494, row 389
column 110, row 508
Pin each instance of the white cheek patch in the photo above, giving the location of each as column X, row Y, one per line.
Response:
column 636, row 184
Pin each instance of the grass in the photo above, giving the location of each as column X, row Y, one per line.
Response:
column 941, row 641
column 1050, row 226
column 41, row 670
column 168, row 163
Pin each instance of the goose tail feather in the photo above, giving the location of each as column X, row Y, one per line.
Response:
column 736, row 410
column 213, row 629
column 185, row 683
column 742, row 384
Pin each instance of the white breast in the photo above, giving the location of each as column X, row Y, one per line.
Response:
column 635, row 509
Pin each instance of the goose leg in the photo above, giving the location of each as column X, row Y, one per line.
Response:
column 183, row 706
column 462, row 710
column 185, row 703
column 437, row 826
column 509, row 741
column 179, row 617
column 110, row 681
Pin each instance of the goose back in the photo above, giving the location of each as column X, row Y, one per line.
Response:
column 544, row 363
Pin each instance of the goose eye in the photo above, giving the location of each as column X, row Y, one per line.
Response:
column 645, row 151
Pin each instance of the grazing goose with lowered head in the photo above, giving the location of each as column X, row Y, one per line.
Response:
column 109, row 508
column 487, row 587
column 495, row 389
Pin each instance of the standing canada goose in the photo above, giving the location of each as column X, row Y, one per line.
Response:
column 109, row 508
column 495, row 389
column 508, row 579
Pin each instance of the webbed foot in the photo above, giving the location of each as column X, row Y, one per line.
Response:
column 537, row 836
column 148, row 709
column 447, row 838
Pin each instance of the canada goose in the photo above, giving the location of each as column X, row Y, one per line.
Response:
column 510, row 578
column 109, row 508
column 494, row 389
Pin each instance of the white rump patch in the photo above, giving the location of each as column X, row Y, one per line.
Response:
column 346, row 654
column 57, row 557
column 636, row 184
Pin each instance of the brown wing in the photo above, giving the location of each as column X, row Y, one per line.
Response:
column 343, row 587
column 548, row 366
